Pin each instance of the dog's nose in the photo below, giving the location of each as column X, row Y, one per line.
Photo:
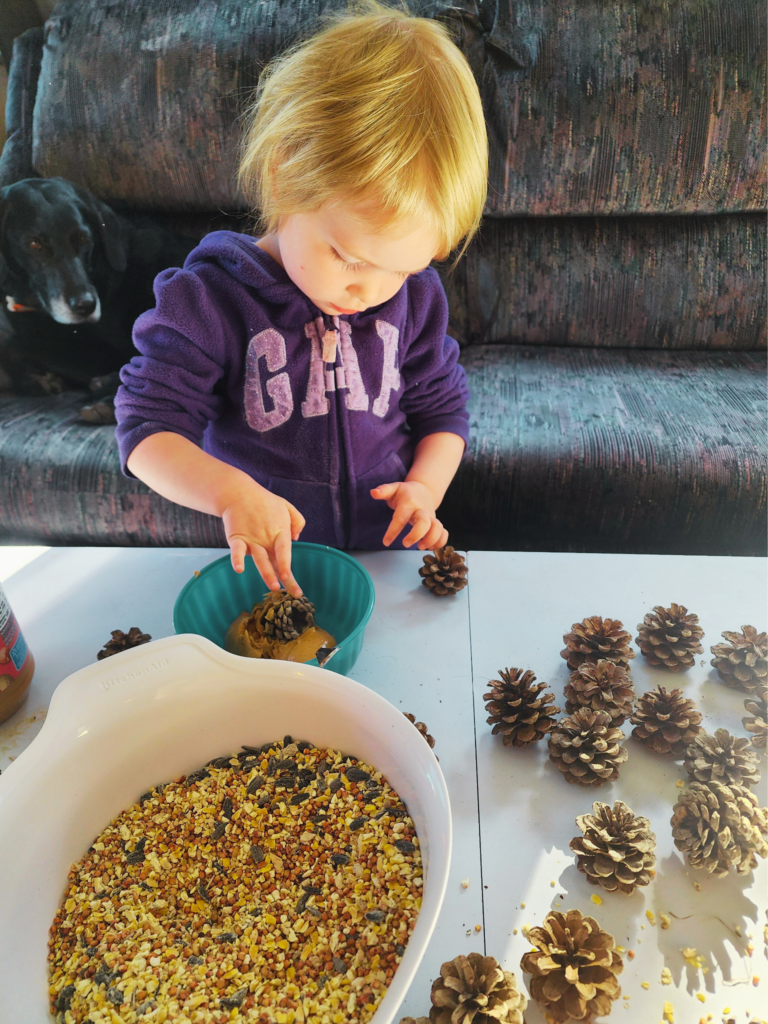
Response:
column 82, row 306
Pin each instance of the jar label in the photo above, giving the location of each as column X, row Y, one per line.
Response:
column 13, row 646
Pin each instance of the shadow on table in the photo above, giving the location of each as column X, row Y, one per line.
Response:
column 703, row 920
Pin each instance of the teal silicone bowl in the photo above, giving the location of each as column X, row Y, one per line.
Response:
column 338, row 586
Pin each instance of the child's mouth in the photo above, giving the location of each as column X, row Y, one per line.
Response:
column 348, row 311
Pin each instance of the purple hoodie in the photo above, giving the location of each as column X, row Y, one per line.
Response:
column 232, row 357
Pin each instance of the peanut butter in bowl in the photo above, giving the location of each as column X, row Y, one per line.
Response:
column 280, row 627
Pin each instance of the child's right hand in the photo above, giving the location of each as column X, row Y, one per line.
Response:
column 263, row 525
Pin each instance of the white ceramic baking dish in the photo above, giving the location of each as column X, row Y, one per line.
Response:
column 148, row 715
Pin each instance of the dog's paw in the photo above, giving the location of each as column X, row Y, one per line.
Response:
column 47, row 383
column 100, row 413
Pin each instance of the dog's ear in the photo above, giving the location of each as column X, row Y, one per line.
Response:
column 107, row 225
column 3, row 211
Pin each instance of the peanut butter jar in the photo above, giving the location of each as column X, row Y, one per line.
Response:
column 17, row 666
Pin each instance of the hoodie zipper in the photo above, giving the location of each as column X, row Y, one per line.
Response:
column 338, row 461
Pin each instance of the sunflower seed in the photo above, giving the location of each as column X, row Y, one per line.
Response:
column 219, row 829
column 339, row 964
column 404, row 846
column 375, row 915
column 356, row 824
column 226, row 807
column 357, row 775
column 255, row 784
column 226, row 937
column 195, row 960
column 257, row 854
column 115, row 996
column 339, row 858
column 230, row 1002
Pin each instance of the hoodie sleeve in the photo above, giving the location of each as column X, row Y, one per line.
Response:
column 171, row 384
column 435, row 384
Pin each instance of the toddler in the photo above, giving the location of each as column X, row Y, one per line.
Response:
column 301, row 383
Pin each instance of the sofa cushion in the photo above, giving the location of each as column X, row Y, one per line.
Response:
column 570, row 449
column 631, row 282
column 575, row 449
column 637, row 106
column 24, row 72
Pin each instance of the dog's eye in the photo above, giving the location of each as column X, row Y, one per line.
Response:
column 34, row 244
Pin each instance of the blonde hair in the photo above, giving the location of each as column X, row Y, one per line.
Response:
column 379, row 108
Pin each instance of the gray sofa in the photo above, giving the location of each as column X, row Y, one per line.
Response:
column 611, row 312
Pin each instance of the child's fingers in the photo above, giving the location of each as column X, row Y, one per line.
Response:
column 298, row 522
column 282, row 558
column 265, row 567
column 238, row 549
column 399, row 520
column 422, row 522
column 384, row 491
column 433, row 538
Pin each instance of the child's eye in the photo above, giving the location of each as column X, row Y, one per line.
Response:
column 354, row 266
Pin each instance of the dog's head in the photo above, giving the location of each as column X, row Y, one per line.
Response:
column 54, row 237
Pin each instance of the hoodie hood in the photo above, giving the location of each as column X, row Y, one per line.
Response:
column 242, row 258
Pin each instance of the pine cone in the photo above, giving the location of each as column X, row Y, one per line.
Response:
column 586, row 747
column 597, row 639
column 516, row 710
column 743, row 662
column 444, row 571
column 573, row 968
column 718, row 827
column 474, row 989
column 603, row 686
column 421, row 727
column 616, row 850
column 666, row 722
column 721, row 758
column 285, row 617
column 670, row 637
column 758, row 726
column 123, row 642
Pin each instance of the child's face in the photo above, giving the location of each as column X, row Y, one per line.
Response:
column 344, row 264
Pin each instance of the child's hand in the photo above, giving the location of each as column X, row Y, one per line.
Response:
column 263, row 525
column 413, row 503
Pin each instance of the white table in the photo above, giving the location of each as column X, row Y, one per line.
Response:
column 513, row 811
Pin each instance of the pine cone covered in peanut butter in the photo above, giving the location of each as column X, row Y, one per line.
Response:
column 474, row 989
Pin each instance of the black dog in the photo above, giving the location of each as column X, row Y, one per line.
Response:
column 74, row 275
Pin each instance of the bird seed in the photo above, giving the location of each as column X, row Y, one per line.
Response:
column 292, row 909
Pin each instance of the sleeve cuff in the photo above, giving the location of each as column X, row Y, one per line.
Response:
column 448, row 423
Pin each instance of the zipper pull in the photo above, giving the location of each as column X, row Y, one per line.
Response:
column 330, row 340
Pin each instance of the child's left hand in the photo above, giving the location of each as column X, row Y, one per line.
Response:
column 413, row 503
